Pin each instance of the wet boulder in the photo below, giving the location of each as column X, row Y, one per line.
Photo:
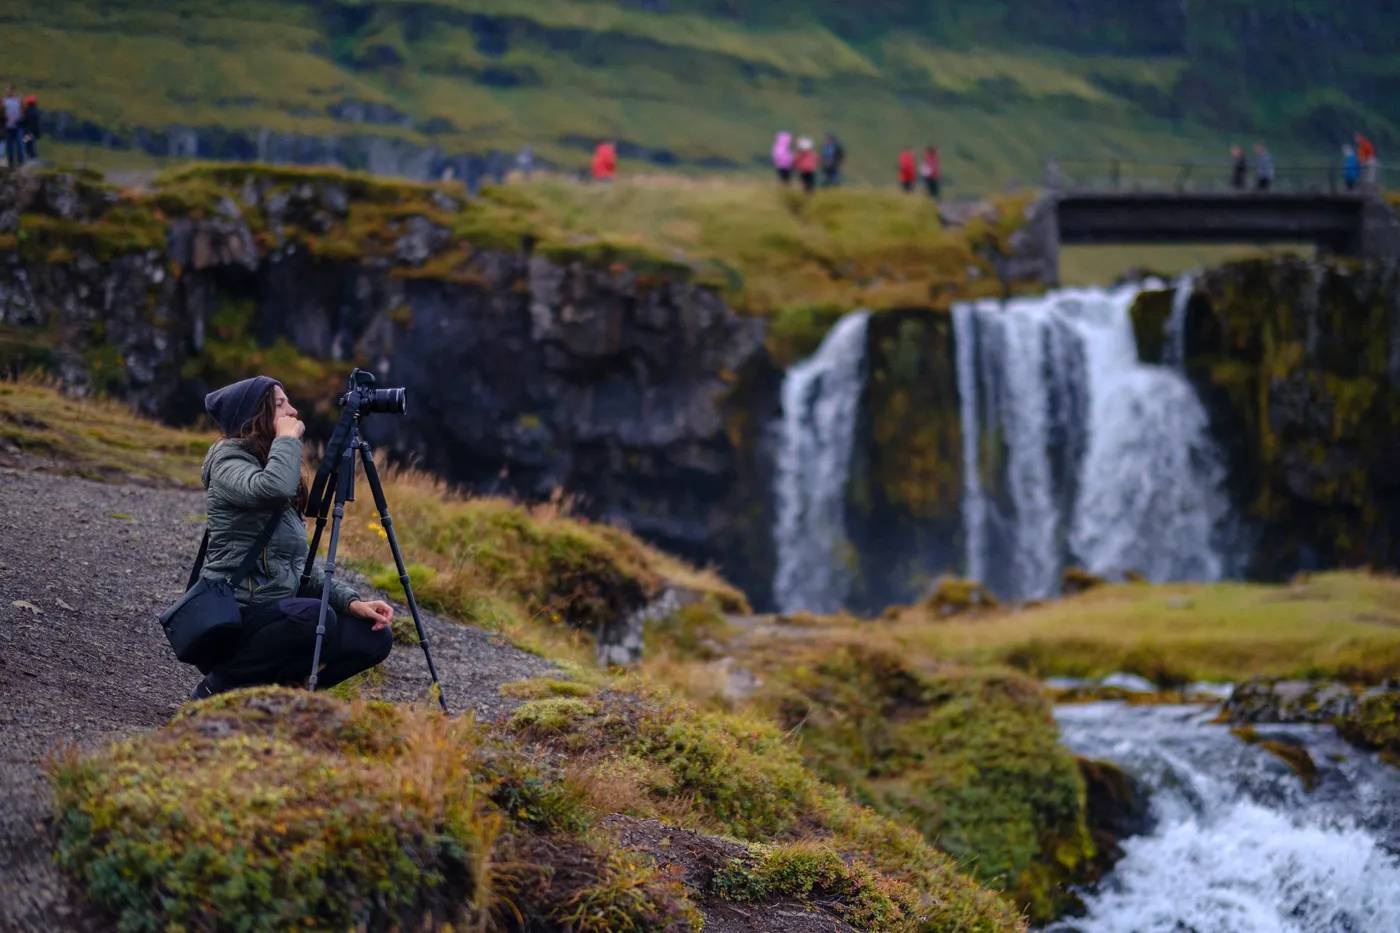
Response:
column 1266, row 701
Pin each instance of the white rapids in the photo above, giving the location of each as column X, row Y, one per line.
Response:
column 1238, row 845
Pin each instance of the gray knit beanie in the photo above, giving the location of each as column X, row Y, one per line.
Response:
column 233, row 406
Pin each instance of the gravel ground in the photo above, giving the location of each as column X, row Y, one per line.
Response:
column 85, row 571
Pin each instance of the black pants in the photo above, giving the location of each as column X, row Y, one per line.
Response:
column 1264, row 183
column 14, row 147
column 809, row 181
column 784, row 175
column 931, row 185
column 279, row 637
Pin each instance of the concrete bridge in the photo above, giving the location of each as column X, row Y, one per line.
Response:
column 1304, row 207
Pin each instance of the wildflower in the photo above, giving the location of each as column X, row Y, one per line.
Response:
column 379, row 529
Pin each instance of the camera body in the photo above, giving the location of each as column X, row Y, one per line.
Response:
column 371, row 400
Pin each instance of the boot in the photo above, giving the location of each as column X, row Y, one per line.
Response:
column 207, row 687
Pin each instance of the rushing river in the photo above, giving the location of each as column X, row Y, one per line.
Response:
column 1238, row 845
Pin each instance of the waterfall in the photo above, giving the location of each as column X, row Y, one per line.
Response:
column 974, row 503
column 1238, row 845
column 1096, row 459
column 820, row 398
column 1174, row 347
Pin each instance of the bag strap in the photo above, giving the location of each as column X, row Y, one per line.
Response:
column 249, row 559
column 198, row 561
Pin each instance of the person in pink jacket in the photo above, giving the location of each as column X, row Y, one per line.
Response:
column 783, row 157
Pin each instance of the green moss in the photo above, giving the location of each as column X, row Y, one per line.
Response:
column 1078, row 580
column 691, row 631
column 547, row 687
column 1375, row 724
column 288, row 810
column 271, row 806
column 969, row 757
column 120, row 231
column 1150, row 312
column 859, row 895
column 1296, row 758
column 953, row 596
column 555, row 714
column 795, row 331
column 738, row 774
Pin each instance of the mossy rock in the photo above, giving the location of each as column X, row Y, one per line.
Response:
column 291, row 810
column 1077, row 580
column 274, row 806
column 1150, row 313
column 1375, row 724
column 952, row 596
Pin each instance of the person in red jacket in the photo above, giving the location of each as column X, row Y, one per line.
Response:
column 604, row 162
column 1366, row 155
column 906, row 169
column 929, row 171
column 806, row 163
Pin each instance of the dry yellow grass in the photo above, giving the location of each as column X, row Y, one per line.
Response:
column 97, row 438
column 1343, row 624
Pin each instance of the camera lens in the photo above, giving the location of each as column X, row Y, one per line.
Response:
column 386, row 401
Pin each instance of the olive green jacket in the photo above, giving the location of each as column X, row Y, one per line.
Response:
column 241, row 496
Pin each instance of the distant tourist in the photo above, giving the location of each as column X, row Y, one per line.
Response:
column 929, row 171
column 806, row 164
column 783, row 157
column 525, row 162
column 30, row 123
column 14, row 129
column 1263, row 169
column 906, row 169
column 1351, row 168
column 604, row 162
column 833, row 155
column 1366, row 154
column 1239, row 171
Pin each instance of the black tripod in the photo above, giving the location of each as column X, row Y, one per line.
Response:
column 335, row 483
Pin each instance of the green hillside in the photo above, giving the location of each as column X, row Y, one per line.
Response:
column 702, row 84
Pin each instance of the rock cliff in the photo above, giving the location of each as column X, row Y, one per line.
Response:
column 1298, row 363
column 533, row 370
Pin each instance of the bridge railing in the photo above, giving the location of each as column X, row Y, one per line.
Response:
column 1204, row 175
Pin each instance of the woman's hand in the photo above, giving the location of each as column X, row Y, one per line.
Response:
column 378, row 611
column 289, row 426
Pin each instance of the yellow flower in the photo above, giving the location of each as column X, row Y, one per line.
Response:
column 378, row 528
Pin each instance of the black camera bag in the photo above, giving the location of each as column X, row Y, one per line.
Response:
column 204, row 621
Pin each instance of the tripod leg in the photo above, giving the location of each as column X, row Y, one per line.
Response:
column 323, row 510
column 345, row 481
column 382, row 504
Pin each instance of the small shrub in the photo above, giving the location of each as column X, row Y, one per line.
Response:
column 952, row 596
column 555, row 714
column 863, row 897
column 543, row 688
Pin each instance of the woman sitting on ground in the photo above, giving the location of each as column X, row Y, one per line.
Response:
column 253, row 470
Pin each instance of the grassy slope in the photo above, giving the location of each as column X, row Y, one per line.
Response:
column 1331, row 625
column 555, row 72
column 800, row 261
column 455, row 811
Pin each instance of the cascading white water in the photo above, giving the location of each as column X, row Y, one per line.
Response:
column 1104, row 462
column 1238, row 845
column 974, row 503
column 1174, row 346
column 821, row 398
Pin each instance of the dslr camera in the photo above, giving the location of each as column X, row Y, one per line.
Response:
column 372, row 400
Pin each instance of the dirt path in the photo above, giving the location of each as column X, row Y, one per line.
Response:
column 85, row 570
